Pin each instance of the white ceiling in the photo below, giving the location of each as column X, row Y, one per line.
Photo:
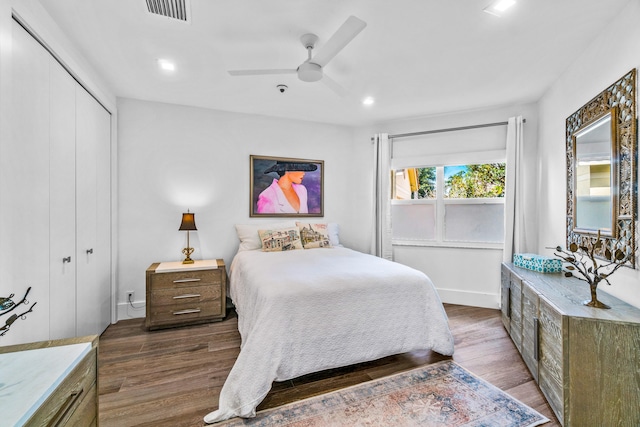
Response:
column 416, row 57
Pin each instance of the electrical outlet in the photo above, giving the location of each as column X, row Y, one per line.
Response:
column 130, row 296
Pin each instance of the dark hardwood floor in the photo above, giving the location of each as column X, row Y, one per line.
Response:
column 173, row 377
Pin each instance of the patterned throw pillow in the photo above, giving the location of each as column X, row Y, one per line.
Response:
column 281, row 239
column 314, row 235
column 248, row 233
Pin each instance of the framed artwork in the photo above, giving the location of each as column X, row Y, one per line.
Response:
column 285, row 187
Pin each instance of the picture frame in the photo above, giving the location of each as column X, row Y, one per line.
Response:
column 286, row 187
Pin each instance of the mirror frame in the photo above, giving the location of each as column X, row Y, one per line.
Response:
column 619, row 99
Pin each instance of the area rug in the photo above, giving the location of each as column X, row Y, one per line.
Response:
column 442, row 394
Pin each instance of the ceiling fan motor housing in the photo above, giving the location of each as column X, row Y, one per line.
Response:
column 309, row 72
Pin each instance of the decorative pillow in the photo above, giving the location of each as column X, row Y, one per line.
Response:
column 314, row 235
column 281, row 239
column 248, row 233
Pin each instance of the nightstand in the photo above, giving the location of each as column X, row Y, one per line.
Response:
column 185, row 294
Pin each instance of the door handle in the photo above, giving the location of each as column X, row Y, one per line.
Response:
column 67, row 259
column 89, row 251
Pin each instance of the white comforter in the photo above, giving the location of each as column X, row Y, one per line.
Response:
column 308, row 310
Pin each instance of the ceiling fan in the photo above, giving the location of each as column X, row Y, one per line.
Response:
column 311, row 69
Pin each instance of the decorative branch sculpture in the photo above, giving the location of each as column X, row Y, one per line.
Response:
column 591, row 271
column 7, row 306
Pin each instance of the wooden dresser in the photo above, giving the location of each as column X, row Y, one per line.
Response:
column 50, row 383
column 185, row 294
column 585, row 360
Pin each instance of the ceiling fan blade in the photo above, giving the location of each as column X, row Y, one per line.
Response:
column 260, row 72
column 347, row 32
column 334, row 86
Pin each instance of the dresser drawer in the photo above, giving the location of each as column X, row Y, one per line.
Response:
column 85, row 414
column 185, row 295
column 178, row 313
column 74, row 400
column 185, row 278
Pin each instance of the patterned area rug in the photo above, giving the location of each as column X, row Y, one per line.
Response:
column 442, row 394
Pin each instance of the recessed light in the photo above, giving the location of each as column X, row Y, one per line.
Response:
column 166, row 65
column 368, row 100
column 498, row 7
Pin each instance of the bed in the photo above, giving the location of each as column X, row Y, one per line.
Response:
column 303, row 311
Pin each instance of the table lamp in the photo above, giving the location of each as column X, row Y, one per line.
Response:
column 188, row 224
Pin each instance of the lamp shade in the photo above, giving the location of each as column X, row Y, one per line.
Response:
column 188, row 222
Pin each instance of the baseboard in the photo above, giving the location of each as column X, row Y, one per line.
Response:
column 126, row 311
column 474, row 299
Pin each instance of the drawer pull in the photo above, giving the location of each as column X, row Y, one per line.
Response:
column 186, row 280
column 66, row 408
column 187, row 296
column 187, row 311
column 536, row 339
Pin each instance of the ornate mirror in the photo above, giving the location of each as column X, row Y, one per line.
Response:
column 601, row 169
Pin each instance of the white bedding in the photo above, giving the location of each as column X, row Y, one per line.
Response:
column 304, row 311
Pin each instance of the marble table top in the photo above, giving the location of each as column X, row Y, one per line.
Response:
column 27, row 378
column 173, row 266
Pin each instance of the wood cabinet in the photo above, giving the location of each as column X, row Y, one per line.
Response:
column 185, row 294
column 50, row 383
column 584, row 359
column 56, row 199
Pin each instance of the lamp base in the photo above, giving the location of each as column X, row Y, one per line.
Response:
column 188, row 252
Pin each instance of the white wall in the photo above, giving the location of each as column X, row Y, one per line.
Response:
column 172, row 158
column 464, row 275
column 611, row 55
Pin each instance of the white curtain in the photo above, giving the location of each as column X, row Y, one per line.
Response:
column 514, row 210
column 381, row 232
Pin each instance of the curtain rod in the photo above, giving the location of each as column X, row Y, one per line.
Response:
column 427, row 132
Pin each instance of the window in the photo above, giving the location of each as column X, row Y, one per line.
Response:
column 449, row 205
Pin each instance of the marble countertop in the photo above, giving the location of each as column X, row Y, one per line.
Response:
column 27, row 378
column 168, row 267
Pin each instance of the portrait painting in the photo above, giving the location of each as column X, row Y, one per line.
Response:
column 286, row 187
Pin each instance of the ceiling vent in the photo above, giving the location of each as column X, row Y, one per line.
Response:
column 174, row 9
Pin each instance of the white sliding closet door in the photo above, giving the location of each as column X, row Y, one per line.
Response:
column 24, row 193
column 62, row 184
column 93, row 292
column 103, row 229
column 55, row 210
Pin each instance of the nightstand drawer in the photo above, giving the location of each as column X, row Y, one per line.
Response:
column 185, row 295
column 186, row 278
column 172, row 314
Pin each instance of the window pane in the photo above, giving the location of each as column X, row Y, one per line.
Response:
column 415, row 183
column 474, row 222
column 474, row 181
column 414, row 222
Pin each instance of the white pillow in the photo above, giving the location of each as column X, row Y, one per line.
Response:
column 334, row 230
column 248, row 233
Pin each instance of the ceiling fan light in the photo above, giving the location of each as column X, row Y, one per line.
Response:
column 309, row 72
